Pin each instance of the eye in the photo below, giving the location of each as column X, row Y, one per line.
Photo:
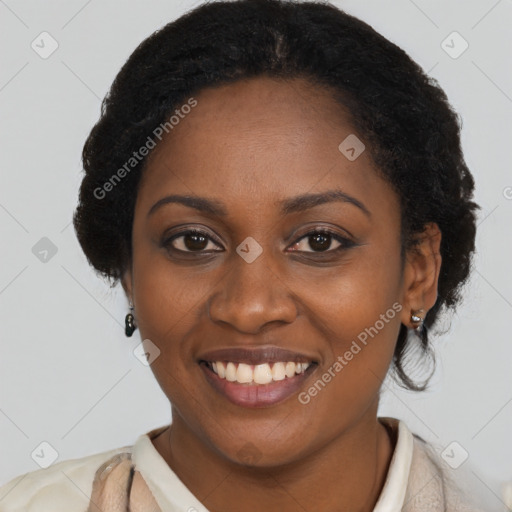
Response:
column 197, row 241
column 321, row 240
column 192, row 241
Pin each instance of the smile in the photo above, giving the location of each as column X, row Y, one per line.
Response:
column 257, row 374
column 256, row 386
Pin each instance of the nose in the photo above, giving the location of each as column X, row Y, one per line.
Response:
column 251, row 296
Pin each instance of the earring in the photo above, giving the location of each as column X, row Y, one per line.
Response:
column 129, row 324
column 416, row 318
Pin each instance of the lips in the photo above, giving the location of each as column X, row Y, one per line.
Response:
column 252, row 393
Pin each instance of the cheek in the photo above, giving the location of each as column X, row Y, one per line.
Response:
column 167, row 305
column 352, row 297
column 167, row 294
column 165, row 314
column 356, row 309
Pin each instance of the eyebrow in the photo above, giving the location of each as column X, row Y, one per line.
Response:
column 287, row 206
column 306, row 201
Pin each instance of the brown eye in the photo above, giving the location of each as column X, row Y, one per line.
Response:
column 321, row 241
column 191, row 241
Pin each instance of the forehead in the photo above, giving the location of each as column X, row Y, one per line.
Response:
column 260, row 140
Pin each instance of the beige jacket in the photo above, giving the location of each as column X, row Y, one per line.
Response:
column 137, row 479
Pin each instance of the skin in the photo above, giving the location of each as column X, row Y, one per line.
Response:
column 250, row 145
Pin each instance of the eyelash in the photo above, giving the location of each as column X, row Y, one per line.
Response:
column 345, row 242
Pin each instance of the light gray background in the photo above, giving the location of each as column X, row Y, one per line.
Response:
column 68, row 374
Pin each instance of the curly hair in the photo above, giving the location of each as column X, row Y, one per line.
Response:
column 411, row 131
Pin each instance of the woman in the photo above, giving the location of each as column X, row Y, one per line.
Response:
column 282, row 194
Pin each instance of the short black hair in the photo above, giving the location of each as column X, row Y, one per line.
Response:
column 410, row 129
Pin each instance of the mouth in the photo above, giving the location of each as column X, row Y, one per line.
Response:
column 256, row 378
column 260, row 374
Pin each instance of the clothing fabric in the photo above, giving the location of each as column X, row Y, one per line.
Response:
column 137, row 479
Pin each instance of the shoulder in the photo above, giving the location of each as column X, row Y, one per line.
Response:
column 63, row 487
column 433, row 485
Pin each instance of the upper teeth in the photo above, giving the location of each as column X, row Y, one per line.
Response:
column 259, row 373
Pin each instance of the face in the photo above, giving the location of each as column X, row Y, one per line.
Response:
column 289, row 253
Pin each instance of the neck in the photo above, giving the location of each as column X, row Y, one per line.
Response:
column 348, row 473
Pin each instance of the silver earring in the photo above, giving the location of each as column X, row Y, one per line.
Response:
column 416, row 318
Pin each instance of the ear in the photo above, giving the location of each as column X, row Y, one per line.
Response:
column 421, row 273
column 126, row 282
